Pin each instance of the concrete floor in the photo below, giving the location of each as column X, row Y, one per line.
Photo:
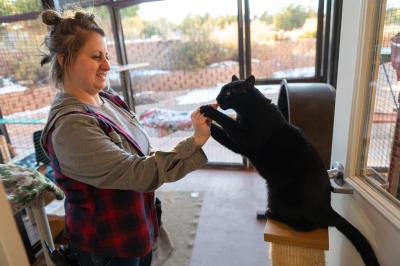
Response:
column 228, row 231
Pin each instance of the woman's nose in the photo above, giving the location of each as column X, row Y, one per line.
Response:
column 105, row 64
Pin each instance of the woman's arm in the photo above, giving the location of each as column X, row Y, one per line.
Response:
column 85, row 153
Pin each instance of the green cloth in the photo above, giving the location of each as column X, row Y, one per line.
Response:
column 24, row 184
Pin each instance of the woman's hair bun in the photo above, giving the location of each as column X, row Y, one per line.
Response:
column 51, row 17
column 82, row 15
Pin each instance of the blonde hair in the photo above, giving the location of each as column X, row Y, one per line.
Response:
column 67, row 35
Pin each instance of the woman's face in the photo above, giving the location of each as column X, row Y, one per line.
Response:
column 88, row 71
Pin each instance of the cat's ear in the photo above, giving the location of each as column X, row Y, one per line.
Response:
column 234, row 78
column 251, row 80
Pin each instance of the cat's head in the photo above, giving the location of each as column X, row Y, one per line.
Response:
column 238, row 93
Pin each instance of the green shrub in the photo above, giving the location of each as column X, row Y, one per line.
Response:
column 292, row 17
column 29, row 72
column 266, row 18
column 308, row 35
column 193, row 55
column 392, row 16
column 198, row 49
column 18, row 6
column 161, row 27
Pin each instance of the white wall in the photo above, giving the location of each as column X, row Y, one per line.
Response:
column 381, row 233
column 365, row 209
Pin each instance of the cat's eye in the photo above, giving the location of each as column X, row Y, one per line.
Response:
column 228, row 93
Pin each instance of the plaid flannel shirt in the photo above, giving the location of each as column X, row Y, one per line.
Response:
column 112, row 222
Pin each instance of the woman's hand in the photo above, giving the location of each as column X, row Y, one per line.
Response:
column 201, row 127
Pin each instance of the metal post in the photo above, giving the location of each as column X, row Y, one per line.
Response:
column 43, row 227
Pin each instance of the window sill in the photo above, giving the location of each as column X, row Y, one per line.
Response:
column 381, row 201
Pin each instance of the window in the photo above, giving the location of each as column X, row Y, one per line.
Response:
column 14, row 7
column 382, row 151
column 188, row 53
column 25, row 94
column 179, row 61
column 283, row 39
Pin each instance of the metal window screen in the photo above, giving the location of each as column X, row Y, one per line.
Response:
column 25, row 94
column 68, row 4
column 383, row 152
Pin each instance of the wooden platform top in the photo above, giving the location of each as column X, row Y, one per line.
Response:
column 280, row 233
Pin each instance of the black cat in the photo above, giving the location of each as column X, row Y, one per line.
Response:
column 299, row 190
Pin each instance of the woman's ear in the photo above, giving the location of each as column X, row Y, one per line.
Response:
column 60, row 59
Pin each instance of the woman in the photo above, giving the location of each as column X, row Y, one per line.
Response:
column 101, row 155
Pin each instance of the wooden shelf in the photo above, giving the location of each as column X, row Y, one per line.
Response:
column 280, row 233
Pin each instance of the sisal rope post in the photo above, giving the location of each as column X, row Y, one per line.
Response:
column 293, row 248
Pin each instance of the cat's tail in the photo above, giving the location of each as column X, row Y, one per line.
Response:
column 356, row 238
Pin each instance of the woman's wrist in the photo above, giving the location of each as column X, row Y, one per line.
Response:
column 199, row 140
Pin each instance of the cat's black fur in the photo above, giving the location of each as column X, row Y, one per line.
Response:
column 299, row 190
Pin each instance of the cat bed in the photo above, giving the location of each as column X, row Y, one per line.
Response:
column 310, row 107
column 166, row 121
column 30, row 161
column 25, row 188
column 23, row 185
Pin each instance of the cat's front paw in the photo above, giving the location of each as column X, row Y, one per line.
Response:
column 207, row 111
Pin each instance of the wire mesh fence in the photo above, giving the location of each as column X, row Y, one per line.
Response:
column 382, row 155
column 25, row 93
column 176, row 63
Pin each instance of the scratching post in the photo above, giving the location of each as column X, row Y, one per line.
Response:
column 292, row 248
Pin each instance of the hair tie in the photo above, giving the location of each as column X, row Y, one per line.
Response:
column 46, row 59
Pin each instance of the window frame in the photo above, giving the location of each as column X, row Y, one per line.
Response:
column 327, row 44
column 327, row 41
column 352, row 106
column 370, row 175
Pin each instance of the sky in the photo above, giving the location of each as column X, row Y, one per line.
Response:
column 176, row 10
column 393, row 3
